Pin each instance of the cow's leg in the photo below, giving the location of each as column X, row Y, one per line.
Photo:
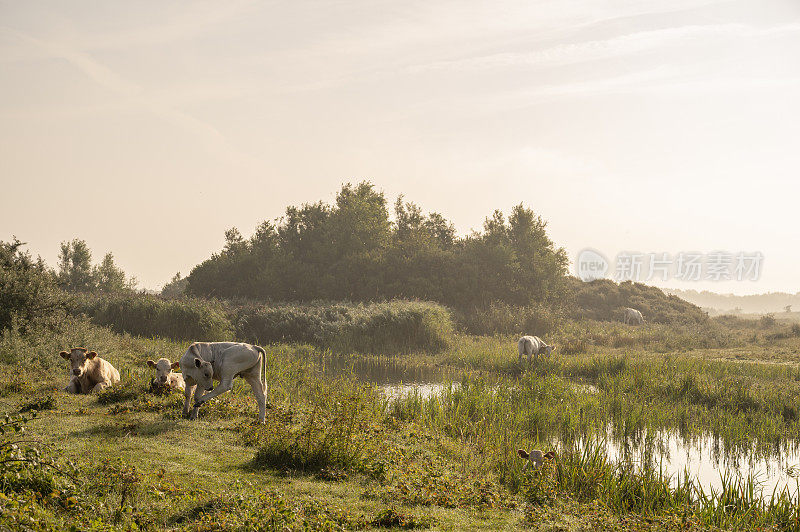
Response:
column 225, row 384
column 254, row 379
column 187, row 393
column 74, row 386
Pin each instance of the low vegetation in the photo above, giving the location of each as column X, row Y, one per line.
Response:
column 146, row 315
column 392, row 327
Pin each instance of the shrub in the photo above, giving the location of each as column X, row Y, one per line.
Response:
column 332, row 434
column 391, row 518
column 23, row 466
column 501, row 318
column 393, row 327
column 122, row 391
column 27, row 290
column 604, row 299
column 146, row 315
column 767, row 321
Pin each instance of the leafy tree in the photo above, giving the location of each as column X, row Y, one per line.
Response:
column 76, row 273
column 75, row 266
column 109, row 278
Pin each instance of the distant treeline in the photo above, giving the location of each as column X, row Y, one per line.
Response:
column 773, row 302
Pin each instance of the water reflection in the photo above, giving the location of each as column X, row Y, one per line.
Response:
column 423, row 390
column 707, row 460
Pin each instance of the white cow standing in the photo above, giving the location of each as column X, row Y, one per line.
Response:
column 632, row 316
column 205, row 362
column 533, row 345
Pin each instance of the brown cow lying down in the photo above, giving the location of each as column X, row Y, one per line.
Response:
column 90, row 373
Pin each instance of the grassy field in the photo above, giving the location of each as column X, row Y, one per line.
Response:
column 336, row 454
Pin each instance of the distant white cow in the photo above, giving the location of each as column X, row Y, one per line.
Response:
column 205, row 362
column 533, row 345
column 632, row 316
column 165, row 377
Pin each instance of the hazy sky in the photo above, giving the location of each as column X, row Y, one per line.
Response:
column 148, row 128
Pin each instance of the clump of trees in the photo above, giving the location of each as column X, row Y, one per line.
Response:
column 77, row 274
column 352, row 250
column 28, row 289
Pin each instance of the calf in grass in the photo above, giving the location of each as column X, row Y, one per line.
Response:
column 205, row 362
column 533, row 346
column 166, row 379
column 536, row 457
column 90, row 373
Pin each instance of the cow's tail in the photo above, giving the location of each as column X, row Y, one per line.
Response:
column 263, row 367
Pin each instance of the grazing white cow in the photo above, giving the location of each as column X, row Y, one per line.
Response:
column 533, row 345
column 90, row 373
column 632, row 316
column 165, row 377
column 205, row 362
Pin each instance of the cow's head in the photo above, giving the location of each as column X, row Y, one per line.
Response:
column 77, row 357
column 163, row 368
column 200, row 371
column 549, row 349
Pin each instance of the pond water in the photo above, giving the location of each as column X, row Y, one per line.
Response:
column 394, row 378
column 706, row 458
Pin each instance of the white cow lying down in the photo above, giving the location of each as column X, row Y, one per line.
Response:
column 222, row 361
column 165, row 377
column 532, row 345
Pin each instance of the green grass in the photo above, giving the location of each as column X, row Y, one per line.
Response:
column 335, row 455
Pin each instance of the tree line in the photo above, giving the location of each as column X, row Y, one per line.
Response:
column 352, row 250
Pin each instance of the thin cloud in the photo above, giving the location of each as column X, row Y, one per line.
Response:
column 662, row 79
column 633, row 43
column 132, row 95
